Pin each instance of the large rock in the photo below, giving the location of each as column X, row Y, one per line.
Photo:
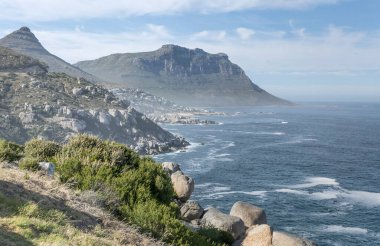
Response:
column 231, row 224
column 170, row 167
column 286, row 239
column 182, row 185
column 191, row 210
column 249, row 213
column 48, row 167
column 258, row 235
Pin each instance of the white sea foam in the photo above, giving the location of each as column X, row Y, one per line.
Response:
column 218, row 195
column 343, row 230
column 284, row 122
column 332, row 190
column 315, row 181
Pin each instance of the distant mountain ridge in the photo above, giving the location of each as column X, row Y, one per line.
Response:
column 191, row 77
column 37, row 103
column 25, row 42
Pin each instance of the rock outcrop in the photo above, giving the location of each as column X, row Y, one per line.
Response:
column 25, row 42
column 56, row 106
column 258, row 235
column 191, row 210
column 214, row 218
column 249, row 227
column 249, row 213
column 287, row 239
column 182, row 185
column 161, row 110
column 190, row 77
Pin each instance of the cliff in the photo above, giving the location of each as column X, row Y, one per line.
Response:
column 191, row 77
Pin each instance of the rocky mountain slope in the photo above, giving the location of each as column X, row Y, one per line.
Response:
column 161, row 110
column 190, row 77
column 24, row 42
column 55, row 106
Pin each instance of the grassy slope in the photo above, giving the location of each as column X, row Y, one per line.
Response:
column 37, row 210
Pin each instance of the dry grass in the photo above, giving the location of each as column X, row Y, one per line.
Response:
column 38, row 210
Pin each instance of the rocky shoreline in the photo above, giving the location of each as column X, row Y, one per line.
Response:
column 246, row 222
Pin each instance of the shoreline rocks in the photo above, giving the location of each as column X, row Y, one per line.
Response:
column 246, row 223
column 224, row 222
column 182, row 185
column 249, row 213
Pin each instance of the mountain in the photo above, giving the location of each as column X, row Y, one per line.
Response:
column 191, row 77
column 25, row 42
column 12, row 61
column 55, row 106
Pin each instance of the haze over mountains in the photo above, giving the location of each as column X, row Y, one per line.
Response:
column 191, row 77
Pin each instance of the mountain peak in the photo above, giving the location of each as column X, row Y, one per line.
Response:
column 24, row 29
column 24, row 42
column 23, row 37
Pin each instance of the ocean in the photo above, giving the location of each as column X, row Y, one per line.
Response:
column 314, row 168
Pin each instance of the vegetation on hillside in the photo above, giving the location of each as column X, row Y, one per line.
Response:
column 134, row 188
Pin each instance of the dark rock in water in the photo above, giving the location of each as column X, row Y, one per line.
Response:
column 191, row 77
column 25, row 42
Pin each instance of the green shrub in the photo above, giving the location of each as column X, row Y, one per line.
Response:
column 140, row 190
column 217, row 236
column 29, row 163
column 10, row 151
column 42, row 150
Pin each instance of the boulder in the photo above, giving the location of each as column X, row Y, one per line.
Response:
column 48, row 167
column 249, row 213
column 258, row 235
column 286, row 239
column 182, row 185
column 170, row 167
column 191, row 210
column 224, row 222
column 78, row 91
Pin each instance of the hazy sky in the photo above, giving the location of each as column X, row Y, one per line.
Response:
column 302, row 50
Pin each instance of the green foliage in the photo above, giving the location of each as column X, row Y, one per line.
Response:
column 42, row 150
column 135, row 188
column 217, row 236
column 10, row 151
column 142, row 191
column 29, row 163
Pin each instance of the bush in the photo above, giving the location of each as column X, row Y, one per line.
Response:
column 29, row 163
column 10, row 151
column 42, row 150
column 140, row 190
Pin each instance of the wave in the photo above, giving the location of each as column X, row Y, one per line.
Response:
column 343, row 230
column 218, row 195
column 332, row 190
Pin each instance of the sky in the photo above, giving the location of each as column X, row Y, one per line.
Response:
column 301, row 50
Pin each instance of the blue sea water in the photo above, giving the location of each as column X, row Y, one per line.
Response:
column 314, row 168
